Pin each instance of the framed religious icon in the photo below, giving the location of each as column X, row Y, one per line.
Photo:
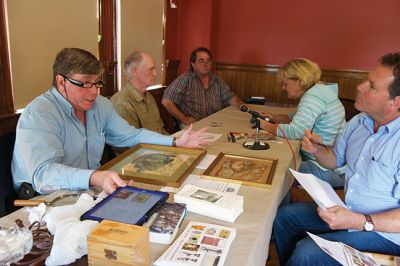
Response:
column 157, row 165
column 251, row 171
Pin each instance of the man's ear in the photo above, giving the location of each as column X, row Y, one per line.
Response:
column 396, row 103
column 134, row 71
column 60, row 81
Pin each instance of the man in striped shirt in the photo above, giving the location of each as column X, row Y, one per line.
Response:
column 198, row 93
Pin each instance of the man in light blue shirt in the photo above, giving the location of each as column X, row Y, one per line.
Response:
column 61, row 134
column 370, row 147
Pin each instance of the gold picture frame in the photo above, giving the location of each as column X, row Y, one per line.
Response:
column 154, row 164
column 251, row 171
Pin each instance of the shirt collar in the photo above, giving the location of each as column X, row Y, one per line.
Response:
column 64, row 104
column 132, row 92
column 211, row 75
column 392, row 126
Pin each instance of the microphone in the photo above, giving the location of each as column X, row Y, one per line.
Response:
column 246, row 109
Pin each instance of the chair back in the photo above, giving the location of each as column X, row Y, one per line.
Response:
column 8, row 125
column 7, row 193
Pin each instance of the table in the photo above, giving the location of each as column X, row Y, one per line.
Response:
column 254, row 225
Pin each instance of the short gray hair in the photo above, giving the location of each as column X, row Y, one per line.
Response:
column 132, row 60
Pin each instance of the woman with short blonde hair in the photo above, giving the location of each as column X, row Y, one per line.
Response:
column 305, row 71
column 319, row 110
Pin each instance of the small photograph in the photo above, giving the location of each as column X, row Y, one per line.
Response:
column 207, row 196
column 210, row 260
column 230, row 189
column 189, row 254
column 195, row 239
column 191, row 247
column 213, row 241
column 123, row 194
column 168, row 218
column 187, row 258
column 141, row 197
column 211, row 231
column 224, row 233
column 198, row 227
column 211, row 250
column 356, row 260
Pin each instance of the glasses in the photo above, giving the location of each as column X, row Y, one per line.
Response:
column 87, row 85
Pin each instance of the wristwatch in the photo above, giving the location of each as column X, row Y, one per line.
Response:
column 174, row 142
column 369, row 224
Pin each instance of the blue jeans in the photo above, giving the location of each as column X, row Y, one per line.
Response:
column 294, row 247
column 329, row 176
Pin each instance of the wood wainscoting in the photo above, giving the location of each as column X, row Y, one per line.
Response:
column 260, row 80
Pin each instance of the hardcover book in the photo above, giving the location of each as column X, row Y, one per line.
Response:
column 215, row 204
column 199, row 244
column 165, row 223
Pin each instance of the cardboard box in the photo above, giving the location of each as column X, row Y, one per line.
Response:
column 114, row 243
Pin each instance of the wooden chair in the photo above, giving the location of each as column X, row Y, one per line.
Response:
column 171, row 70
column 7, row 140
column 349, row 108
column 167, row 118
column 298, row 194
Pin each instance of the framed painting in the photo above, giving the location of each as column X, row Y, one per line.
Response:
column 157, row 165
column 251, row 171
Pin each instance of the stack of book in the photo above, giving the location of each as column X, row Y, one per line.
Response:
column 216, row 204
column 164, row 224
column 199, row 244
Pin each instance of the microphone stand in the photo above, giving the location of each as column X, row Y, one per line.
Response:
column 256, row 145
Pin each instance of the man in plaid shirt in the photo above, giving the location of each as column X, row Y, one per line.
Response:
column 198, row 93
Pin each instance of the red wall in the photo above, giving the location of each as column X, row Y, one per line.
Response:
column 188, row 27
column 339, row 34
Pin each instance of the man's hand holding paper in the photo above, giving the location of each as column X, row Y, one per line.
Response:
column 321, row 192
column 331, row 208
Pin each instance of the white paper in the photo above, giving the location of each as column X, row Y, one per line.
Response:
column 206, row 162
column 343, row 253
column 215, row 204
column 199, row 244
column 196, row 180
column 212, row 137
column 321, row 192
column 334, row 249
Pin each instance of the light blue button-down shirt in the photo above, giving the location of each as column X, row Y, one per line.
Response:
column 54, row 150
column 373, row 166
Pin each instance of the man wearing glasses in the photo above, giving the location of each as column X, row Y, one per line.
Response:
column 198, row 93
column 61, row 134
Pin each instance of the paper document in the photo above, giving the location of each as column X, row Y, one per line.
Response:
column 321, row 192
column 200, row 244
column 196, row 180
column 212, row 137
column 343, row 253
column 206, row 162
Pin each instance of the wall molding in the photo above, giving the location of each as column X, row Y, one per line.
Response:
column 260, row 80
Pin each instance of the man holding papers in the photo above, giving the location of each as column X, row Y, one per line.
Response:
column 370, row 146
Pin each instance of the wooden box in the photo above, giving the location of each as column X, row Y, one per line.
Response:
column 114, row 243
